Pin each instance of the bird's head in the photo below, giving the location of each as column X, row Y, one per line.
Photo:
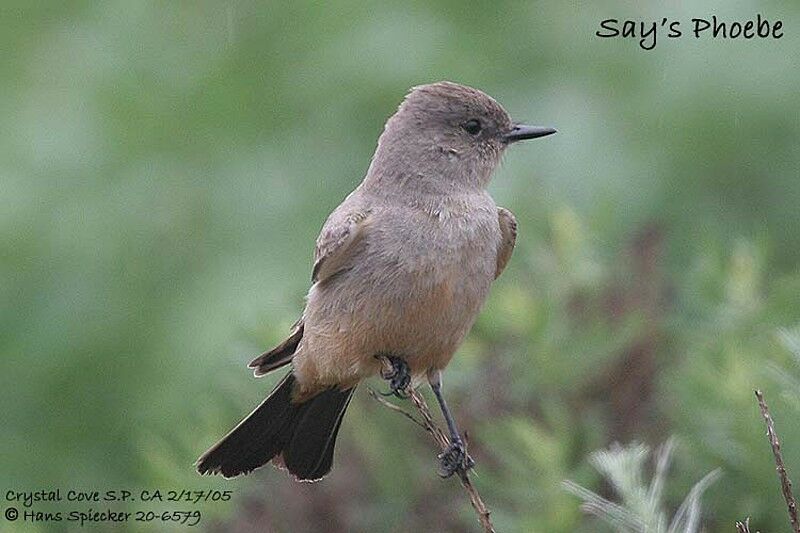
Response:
column 447, row 133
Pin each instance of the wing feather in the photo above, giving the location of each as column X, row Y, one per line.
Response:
column 508, row 229
column 336, row 242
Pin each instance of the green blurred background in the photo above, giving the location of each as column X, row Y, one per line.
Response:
column 165, row 168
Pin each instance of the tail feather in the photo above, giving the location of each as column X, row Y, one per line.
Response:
column 326, row 459
column 255, row 440
column 280, row 355
column 302, row 434
column 309, row 455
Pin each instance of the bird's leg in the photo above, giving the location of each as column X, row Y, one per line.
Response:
column 399, row 377
column 455, row 458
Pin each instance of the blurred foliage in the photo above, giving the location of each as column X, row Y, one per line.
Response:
column 789, row 376
column 641, row 507
column 166, row 166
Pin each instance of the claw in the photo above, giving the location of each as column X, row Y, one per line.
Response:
column 399, row 377
column 454, row 459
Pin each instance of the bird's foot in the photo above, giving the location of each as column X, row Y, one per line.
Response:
column 399, row 377
column 454, row 459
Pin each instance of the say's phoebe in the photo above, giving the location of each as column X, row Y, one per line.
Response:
column 401, row 268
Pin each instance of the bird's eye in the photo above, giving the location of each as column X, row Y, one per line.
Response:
column 473, row 126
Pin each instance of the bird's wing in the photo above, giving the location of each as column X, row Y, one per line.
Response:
column 508, row 230
column 281, row 354
column 336, row 242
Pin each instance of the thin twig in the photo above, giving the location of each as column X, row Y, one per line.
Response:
column 443, row 441
column 377, row 396
column 786, row 483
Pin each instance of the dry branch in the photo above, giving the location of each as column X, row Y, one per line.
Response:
column 443, row 441
column 786, row 483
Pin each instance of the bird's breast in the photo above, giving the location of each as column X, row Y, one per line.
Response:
column 415, row 289
column 439, row 267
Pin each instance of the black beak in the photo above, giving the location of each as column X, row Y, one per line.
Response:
column 522, row 132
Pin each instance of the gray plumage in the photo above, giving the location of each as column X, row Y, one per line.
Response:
column 402, row 265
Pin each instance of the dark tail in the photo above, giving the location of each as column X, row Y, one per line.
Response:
column 302, row 434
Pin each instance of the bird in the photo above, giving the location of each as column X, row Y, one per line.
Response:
column 401, row 269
